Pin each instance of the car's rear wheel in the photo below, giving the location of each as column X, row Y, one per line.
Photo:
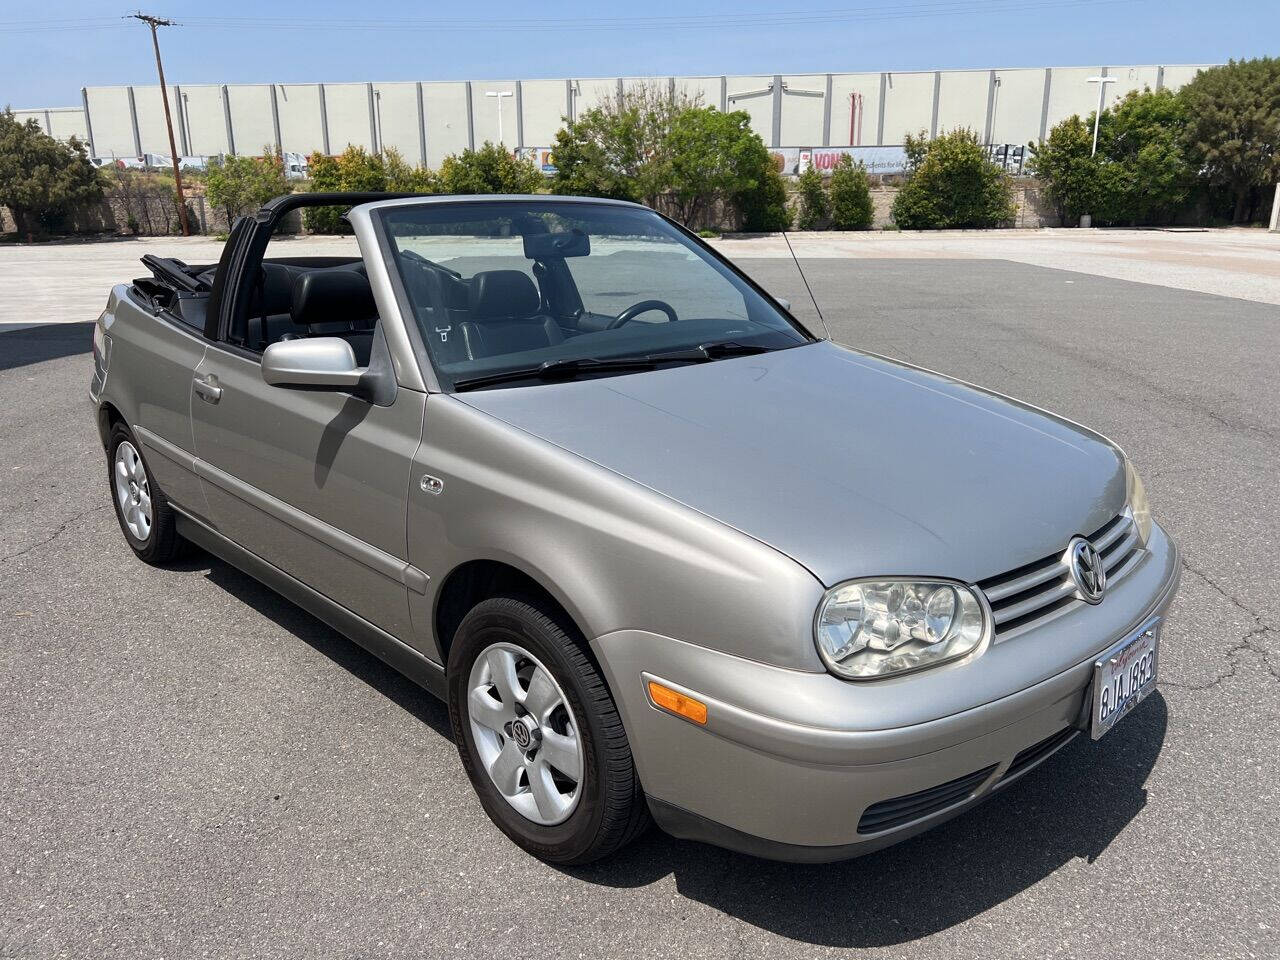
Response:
column 146, row 520
column 540, row 736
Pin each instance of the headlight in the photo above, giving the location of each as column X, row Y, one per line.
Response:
column 874, row 628
column 1138, row 506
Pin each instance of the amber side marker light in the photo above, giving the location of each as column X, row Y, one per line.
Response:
column 677, row 703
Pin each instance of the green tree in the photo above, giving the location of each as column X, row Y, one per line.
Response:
column 953, row 185
column 812, row 191
column 763, row 207
column 916, row 147
column 356, row 169
column 714, row 156
column 240, row 185
column 490, row 169
column 1147, row 176
column 1233, row 127
column 850, row 189
column 42, row 180
column 1070, row 175
column 661, row 147
column 1140, row 173
column 621, row 148
column 401, row 177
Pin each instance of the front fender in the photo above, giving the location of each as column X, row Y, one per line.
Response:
column 616, row 554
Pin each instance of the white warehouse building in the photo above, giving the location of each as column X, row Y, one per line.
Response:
column 429, row 120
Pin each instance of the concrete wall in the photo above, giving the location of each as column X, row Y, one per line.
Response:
column 62, row 123
column 204, row 121
column 798, row 110
column 395, row 107
column 448, row 120
column 301, row 124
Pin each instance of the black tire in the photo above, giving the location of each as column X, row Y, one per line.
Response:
column 162, row 543
column 611, row 809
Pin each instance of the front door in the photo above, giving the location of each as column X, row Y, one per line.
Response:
column 312, row 482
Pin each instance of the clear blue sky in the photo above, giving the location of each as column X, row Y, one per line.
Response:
column 49, row 50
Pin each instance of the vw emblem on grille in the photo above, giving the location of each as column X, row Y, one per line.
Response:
column 1087, row 569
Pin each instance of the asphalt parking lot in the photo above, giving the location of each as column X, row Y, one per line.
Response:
column 193, row 767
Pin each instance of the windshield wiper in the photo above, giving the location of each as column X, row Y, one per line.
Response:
column 731, row 348
column 569, row 367
column 564, row 369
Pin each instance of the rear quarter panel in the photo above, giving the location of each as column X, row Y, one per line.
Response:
column 149, row 383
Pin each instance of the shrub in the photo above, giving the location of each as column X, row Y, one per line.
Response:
column 1233, row 127
column 42, row 180
column 850, row 189
column 489, row 169
column 331, row 174
column 1140, row 173
column 658, row 146
column 355, row 169
column 812, row 193
column 621, row 148
column 714, row 156
column 400, row 177
column 763, row 207
column 952, row 184
column 240, row 185
column 1070, row 175
column 1147, row 176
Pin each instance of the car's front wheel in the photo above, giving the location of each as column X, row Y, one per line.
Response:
column 540, row 736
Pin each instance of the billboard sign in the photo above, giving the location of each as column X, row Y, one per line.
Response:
column 878, row 160
column 541, row 157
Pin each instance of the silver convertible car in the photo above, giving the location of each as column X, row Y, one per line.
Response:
column 666, row 554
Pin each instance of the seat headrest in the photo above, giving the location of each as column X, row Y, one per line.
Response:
column 503, row 294
column 332, row 296
column 275, row 289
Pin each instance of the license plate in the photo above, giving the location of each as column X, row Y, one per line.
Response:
column 1123, row 676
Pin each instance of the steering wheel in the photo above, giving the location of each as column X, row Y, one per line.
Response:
column 644, row 306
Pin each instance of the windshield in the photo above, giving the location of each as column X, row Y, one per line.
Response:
column 514, row 293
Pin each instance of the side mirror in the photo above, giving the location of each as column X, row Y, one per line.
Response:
column 322, row 363
column 784, row 304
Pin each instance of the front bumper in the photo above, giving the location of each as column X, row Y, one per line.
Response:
column 789, row 762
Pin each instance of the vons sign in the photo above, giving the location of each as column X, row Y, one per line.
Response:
column 875, row 159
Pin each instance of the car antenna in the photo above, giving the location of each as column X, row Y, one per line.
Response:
column 814, row 299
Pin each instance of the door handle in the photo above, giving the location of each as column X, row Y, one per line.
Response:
column 207, row 388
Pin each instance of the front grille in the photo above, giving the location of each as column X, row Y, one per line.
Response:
column 888, row 814
column 1038, row 591
column 1029, row 757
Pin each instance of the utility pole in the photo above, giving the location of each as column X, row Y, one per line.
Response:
column 1102, row 90
column 153, row 23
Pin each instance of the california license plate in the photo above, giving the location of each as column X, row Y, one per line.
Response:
column 1123, row 676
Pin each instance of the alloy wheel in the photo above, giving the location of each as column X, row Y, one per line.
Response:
column 133, row 494
column 525, row 733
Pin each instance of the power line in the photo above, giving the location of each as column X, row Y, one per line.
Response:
column 928, row 10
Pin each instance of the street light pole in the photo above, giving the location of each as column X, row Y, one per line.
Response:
column 1102, row 90
column 499, row 95
column 153, row 23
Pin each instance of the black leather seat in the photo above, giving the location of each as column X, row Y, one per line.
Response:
column 503, row 315
column 271, row 304
column 336, row 303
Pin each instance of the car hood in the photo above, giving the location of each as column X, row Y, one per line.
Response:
column 852, row 465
